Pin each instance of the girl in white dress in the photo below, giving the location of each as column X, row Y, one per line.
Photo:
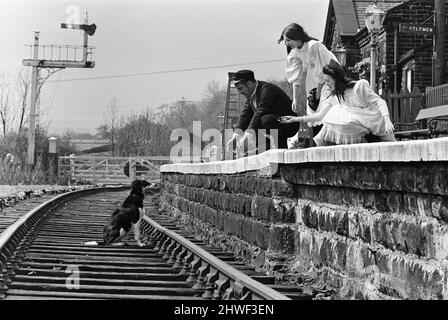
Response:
column 351, row 111
column 306, row 58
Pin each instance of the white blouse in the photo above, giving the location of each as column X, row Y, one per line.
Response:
column 361, row 96
column 306, row 64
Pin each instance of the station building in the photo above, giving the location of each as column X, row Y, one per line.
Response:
column 405, row 42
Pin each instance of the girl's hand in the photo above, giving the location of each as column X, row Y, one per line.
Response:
column 288, row 119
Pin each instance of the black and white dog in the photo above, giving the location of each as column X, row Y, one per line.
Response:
column 128, row 215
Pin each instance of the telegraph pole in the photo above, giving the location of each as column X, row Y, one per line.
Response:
column 34, row 93
column 60, row 62
column 439, row 53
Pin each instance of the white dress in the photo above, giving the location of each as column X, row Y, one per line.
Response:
column 304, row 67
column 361, row 112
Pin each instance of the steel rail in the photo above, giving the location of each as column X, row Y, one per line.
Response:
column 209, row 275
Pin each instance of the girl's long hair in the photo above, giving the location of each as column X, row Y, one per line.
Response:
column 294, row 31
column 341, row 81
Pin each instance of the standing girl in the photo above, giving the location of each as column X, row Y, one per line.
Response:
column 306, row 58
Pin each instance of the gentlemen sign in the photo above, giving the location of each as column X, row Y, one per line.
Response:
column 415, row 28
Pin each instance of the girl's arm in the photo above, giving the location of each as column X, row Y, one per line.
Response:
column 294, row 75
column 295, row 97
column 321, row 56
column 317, row 116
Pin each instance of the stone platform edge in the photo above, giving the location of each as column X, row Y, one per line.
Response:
column 402, row 151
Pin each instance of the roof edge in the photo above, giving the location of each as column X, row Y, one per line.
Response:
column 327, row 22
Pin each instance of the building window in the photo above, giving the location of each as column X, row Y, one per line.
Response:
column 408, row 75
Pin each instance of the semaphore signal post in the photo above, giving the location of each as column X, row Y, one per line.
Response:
column 48, row 59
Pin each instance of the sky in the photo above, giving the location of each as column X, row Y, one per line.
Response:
column 148, row 53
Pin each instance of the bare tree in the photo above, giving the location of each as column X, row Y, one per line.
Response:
column 212, row 104
column 111, row 122
column 5, row 110
column 23, row 84
column 141, row 134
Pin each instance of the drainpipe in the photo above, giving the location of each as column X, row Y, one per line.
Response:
column 439, row 59
column 395, row 56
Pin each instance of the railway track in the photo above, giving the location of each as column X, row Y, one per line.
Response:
column 43, row 256
column 16, row 205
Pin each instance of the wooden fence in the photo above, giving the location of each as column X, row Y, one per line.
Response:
column 109, row 170
column 404, row 106
column 437, row 96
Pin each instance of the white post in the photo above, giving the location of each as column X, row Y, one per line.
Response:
column 52, row 145
column 32, row 127
column 53, row 156
column 72, row 166
column 132, row 168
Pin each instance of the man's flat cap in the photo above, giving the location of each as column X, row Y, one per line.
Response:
column 243, row 75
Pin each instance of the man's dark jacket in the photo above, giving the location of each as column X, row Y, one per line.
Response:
column 270, row 99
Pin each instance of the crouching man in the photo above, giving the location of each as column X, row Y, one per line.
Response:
column 258, row 123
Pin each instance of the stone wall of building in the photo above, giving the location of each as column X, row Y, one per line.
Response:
column 370, row 229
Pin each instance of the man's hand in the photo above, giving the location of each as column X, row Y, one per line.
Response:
column 240, row 141
column 229, row 144
column 243, row 139
column 388, row 125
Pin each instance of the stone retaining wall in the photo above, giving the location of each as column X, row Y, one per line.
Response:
column 368, row 228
